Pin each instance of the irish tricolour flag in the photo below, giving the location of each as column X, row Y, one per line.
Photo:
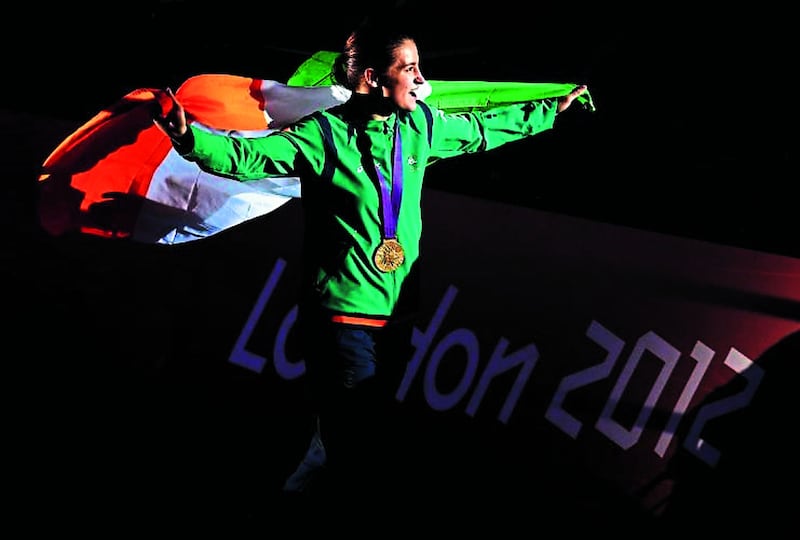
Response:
column 118, row 176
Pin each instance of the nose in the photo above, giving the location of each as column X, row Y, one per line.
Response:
column 418, row 78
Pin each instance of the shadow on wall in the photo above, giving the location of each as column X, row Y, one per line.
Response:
column 756, row 479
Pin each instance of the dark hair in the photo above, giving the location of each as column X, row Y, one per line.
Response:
column 368, row 46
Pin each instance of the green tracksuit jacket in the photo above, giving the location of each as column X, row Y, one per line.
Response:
column 340, row 193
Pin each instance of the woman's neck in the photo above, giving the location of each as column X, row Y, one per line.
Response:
column 364, row 107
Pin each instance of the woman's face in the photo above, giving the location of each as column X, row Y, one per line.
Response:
column 404, row 77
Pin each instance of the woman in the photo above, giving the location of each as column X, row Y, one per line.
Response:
column 362, row 167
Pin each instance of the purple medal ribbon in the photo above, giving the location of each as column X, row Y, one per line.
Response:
column 391, row 201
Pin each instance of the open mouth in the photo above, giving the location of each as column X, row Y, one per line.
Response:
column 422, row 91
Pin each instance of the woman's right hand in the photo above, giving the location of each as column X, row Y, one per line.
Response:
column 169, row 115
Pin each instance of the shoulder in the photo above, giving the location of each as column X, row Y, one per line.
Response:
column 306, row 126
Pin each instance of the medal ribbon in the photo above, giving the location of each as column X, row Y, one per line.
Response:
column 391, row 201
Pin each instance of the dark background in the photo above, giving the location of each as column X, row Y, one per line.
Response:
column 691, row 137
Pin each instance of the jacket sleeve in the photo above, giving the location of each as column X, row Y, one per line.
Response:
column 284, row 153
column 478, row 131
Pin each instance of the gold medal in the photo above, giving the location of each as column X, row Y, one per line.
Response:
column 389, row 255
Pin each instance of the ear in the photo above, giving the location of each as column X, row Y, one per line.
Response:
column 371, row 77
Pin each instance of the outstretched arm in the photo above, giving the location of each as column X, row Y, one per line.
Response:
column 236, row 156
column 475, row 131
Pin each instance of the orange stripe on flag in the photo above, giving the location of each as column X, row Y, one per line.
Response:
column 94, row 180
column 224, row 101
